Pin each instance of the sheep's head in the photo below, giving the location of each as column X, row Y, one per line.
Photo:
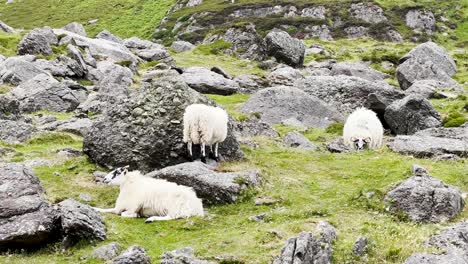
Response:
column 116, row 176
column 361, row 142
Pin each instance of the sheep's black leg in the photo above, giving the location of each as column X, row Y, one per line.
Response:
column 216, row 156
column 211, row 155
column 189, row 147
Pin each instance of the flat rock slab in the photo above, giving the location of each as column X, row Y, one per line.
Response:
column 211, row 186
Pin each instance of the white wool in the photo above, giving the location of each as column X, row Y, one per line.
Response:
column 205, row 124
column 363, row 123
column 155, row 197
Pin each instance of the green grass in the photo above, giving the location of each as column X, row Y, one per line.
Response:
column 454, row 111
column 231, row 103
column 58, row 115
column 8, row 43
column 124, row 18
column 5, row 88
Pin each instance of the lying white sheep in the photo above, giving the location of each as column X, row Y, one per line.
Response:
column 204, row 125
column 154, row 198
column 363, row 128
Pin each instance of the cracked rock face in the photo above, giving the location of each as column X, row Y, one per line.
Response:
column 425, row 199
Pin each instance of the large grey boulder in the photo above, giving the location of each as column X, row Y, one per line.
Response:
column 433, row 142
column 15, row 131
column 105, row 34
column 43, row 92
column 211, row 186
column 16, row 70
column 367, row 12
column 285, row 48
column 182, row 256
column 347, row 93
column 80, row 222
column 296, row 140
column 205, row 81
column 76, row 28
column 99, row 48
column 427, row 61
column 428, row 89
column 62, row 66
column 74, row 125
column 425, row 199
column 145, row 131
column 154, row 54
column 27, row 220
column 135, row 43
column 134, row 254
column 452, row 238
column 421, row 21
column 278, row 104
column 113, row 79
column 309, row 247
column 284, row 75
column 9, row 107
column 38, row 41
column 245, row 42
column 411, row 114
column 182, row 46
column 357, row 70
column 6, row 28
column 76, row 55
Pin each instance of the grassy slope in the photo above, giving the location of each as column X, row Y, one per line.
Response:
column 125, row 18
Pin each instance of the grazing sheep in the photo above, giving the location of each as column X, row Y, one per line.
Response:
column 363, row 128
column 148, row 197
column 204, row 125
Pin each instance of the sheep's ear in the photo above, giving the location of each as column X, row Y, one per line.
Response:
column 367, row 140
column 354, row 139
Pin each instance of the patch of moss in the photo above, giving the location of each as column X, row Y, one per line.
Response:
column 454, row 119
column 215, row 48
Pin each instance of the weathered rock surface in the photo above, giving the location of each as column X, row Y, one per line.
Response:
column 285, row 48
column 277, row 104
column 77, row 126
column 181, row 46
column 106, row 252
column 15, row 131
column 9, row 106
column 411, row 114
column 205, row 81
column 26, row 219
column 134, row 254
column 105, row 34
column 360, row 246
column 357, row 70
column 114, row 80
column 452, row 238
column 367, row 12
column 296, row 140
column 250, row 83
column 338, row 146
column 347, row 93
column 357, row 32
column 43, row 92
column 211, row 186
column 427, row 61
column 145, row 131
column 254, row 127
column 425, row 258
column 76, row 28
column 245, row 42
column 16, row 70
column 423, row 198
column 433, row 142
column 421, row 21
column 182, row 256
column 309, row 248
column 284, row 76
column 38, row 41
column 6, row 28
column 80, row 222
column 427, row 89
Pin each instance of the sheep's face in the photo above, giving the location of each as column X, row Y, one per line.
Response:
column 116, row 176
column 360, row 142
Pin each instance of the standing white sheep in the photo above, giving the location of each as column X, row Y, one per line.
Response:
column 153, row 198
column 363, row 128
column 205, row 126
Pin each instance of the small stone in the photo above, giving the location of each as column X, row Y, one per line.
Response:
column 106, row 252
column 85, row 197
column 258, row 218
column 360, row 246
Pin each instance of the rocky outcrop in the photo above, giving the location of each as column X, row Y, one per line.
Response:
column 433, row 142
column 425, row 199
column 277, row 104
column 321, row 32
column 182, row 46
column 43, row 92
column 427, row 61
column 309, row 248
column 357, row 32
column 347, row 93
column 80, row 222
column 16, row 70
column 205, row 81
column 245, row 42
column 411, row 114
column 145, row 131
column 27, row 220
column 15, row 131
column 38, row 41
column 285, row 48
column 421, row 21
column 367, row 12
column 211, row 186
column 357, row 70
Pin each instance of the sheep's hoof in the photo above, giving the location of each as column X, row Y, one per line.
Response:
column 216, row 159
column 203, row 159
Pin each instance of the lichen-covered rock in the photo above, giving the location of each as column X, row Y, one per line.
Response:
column 367, row 12
column 284, row 75
column 425, row 199
column 280, row 103
column 38, row 41
column 452, row 238
column 181, row 46
column 27, row 220
column 80, row 222
column 106, row 252
column 246, row 42
column 411, row 114
column 134, row 254
column 433, row 142
column 285, row 48
column 15, row 131
column 74, row 125
column 16, row 70
column 357, row 70
column 145, row 131
column 211, row 186
column 105, row 34
column 357, row 32
column 182, row 256
column 421, row 21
